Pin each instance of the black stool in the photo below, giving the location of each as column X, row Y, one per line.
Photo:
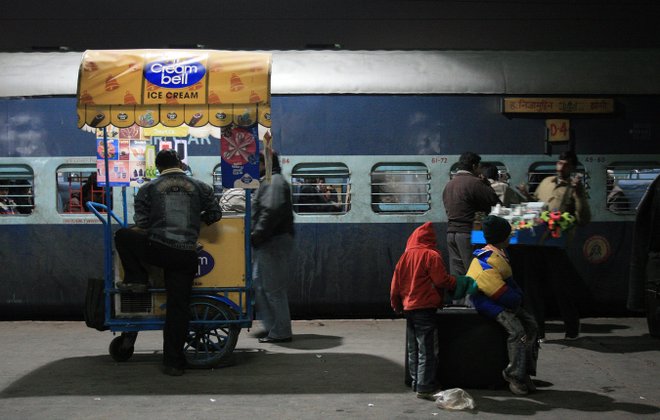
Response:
column 472, row 350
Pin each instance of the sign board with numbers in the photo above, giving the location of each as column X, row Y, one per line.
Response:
column 558, row 130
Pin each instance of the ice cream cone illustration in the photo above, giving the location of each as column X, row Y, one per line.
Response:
column 129, row 99
column 213, row 98
column 90, row 66
column 171, row 101
column 236, row 83
column 86, row 98
column 111, row 83
column 152, row 87
column 254, row 97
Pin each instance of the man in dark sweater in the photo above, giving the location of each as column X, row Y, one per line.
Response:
column 464, row 196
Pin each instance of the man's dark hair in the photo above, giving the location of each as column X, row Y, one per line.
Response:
column 489, row 170
column 167, row 158
column 570, row 157
column 467, row 161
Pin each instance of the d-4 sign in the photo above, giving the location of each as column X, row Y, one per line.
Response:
column 558, row 130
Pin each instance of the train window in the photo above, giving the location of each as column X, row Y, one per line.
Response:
column 540, row 170
column 400, row 188
column 321, row 188
column 76, row 185
column 16, row 192
column 231, row 200
column 626, row 184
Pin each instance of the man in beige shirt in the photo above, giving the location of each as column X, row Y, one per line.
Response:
column 548, row 267
column 565, row 192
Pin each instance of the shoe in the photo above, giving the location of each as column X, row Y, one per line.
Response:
column 172, row 371
column 132, row 287
column 259, row 334
column 514, row 385
column 531, row 387
column 573, row 335
column 275, row 340
column 426, row 396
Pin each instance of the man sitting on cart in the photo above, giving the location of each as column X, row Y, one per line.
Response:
column 168, row 212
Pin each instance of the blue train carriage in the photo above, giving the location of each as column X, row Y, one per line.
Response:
column 406, row 136
column 367, row 140
column 129, row 96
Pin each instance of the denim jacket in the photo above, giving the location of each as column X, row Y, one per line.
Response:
column 171, row 207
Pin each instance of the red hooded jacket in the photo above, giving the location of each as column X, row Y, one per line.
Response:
column 420, row 275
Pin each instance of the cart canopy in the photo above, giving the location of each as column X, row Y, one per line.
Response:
column 173, row 88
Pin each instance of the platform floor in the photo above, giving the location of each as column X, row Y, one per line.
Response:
column 332, row 369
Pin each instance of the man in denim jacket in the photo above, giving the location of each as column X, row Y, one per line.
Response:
column 168, row 214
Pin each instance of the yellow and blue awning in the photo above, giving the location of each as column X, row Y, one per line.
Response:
column 173, row 88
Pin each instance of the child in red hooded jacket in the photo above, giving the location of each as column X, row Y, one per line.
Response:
column 417, row 289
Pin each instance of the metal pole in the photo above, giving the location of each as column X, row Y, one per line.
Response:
column 107, row 229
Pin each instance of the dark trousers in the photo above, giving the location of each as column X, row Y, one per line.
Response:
column 421, row 330
column 522, row 344
column 548, row 271
column 179, row 268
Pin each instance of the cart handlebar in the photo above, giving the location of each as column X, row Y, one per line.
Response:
column 93, row 206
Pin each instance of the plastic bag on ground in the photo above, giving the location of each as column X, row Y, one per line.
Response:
column 454, row 399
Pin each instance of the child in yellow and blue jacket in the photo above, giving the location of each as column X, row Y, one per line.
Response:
column 500, row 298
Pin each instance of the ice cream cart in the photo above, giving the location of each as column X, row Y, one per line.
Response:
column 127, row 97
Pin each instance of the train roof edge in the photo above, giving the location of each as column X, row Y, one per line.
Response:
column 601, row 72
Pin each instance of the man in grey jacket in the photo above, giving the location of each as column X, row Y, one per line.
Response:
column 272, row 241
column 168, row 214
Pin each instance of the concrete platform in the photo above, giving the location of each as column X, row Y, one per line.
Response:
column 333, row 369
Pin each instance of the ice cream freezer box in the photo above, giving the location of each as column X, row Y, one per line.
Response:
column 221, row 266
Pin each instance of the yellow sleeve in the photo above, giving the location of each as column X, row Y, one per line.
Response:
column 489, row 279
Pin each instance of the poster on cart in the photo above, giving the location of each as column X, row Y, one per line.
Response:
column 127, row 157
column 239, row 152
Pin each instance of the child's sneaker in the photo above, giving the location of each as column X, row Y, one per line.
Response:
column 514, row 385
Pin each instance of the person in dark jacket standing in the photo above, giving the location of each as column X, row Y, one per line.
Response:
column 272, row 242
column 644, row 285
column 417, row 290
column 168, row 212
column 464, row 196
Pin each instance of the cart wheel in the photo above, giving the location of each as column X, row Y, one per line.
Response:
column 211, row 341
column 122, row 347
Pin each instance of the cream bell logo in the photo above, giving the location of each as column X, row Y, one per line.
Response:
column 174, row 74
